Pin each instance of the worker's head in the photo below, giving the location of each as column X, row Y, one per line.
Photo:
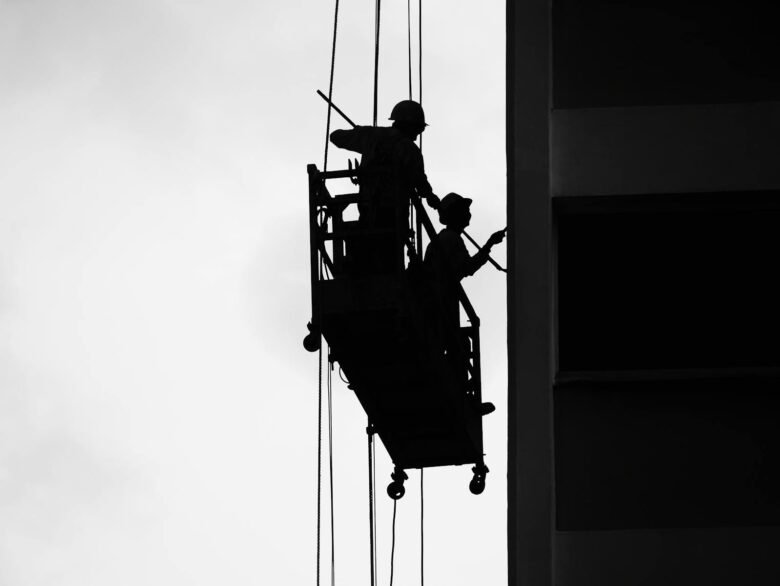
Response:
column 455, row 211
column 409, row 118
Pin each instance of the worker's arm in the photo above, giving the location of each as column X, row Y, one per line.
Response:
column 359, row 139
column 420, row 179
column 474, row 263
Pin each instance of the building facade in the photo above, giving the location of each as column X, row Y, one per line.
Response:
column 643, row 164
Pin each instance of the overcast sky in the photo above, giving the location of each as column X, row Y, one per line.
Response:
column 158, row 414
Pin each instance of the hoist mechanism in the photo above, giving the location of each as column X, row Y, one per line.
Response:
column 424, row 402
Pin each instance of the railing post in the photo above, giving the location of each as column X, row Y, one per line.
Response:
column 314, row 244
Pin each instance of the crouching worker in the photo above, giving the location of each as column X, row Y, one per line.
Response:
column 447, row 262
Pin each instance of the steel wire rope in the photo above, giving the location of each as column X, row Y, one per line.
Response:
column 419, row 38
column 330, row 85
column 376, row 540
column 320, row 353
column 412, row 222
column 330, row 456
column 422, row 532
column 392, row 547
column 372, row 545
column 371, row 452
column 409, row 41
column 378, row 6
column 419, row 227
column 420, row 60
column 319, row 446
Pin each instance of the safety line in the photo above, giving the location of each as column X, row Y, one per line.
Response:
column 376, row 57
column 330, row 85
column 422, row 532
column 319, row 450
column 330, row 454
column 419, row 225
column 409, row 41
column 419, row 19
column 376, row 524
column 370, row 433
column 392, row 547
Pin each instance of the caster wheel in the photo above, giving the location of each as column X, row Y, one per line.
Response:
column 395, row 490
column 312, row 340
column 477, row 484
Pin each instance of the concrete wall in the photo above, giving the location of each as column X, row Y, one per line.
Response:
column 668, row 112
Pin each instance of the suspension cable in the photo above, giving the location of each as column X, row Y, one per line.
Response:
column 419, row 226
column 376, row 57
column 422, row 532
column 319, row 448
column 409, row 41
column 392, row 547
column 419, row 20
column 376, row 523
column 412, row 222
column 370, row 433
column 422, row 494
column 330, row 455
column 330, row 85
column 320, row 353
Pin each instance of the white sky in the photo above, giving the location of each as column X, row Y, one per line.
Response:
column 157, row 409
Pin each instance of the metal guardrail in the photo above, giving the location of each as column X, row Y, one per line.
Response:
column 328, row 228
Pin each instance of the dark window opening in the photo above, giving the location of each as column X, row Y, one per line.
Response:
column 668, row 282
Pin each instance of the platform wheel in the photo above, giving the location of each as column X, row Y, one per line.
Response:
column 395, row 490
column 477, row 484
column 312, row 340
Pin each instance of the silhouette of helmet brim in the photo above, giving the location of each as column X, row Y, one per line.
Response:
column 451, row 203
column 409, row 112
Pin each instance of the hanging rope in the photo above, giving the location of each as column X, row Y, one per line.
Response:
column 320, row 353
column 330, row 85
column 319, row 457
column 330, row 455
column 409, row 41
column 371, row 502
column 319, row 442
column 412, row 221
column 419, row 226
column 419, row 20
column 392, row 547
column 376, row 524
column 376, row 57
column 422, row 532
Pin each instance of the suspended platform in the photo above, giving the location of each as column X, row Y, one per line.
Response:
column 419, row 385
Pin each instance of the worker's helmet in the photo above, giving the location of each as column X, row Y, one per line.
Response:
column 409, row 112
column 450, row 203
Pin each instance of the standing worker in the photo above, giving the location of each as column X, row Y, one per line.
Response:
column 447, row 262
column 392, row 172
column 446, row 259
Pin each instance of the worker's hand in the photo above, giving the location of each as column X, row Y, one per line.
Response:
column 433, row 200
column 496, row 237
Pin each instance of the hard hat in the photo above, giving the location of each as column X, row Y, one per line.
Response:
column 450, row 202
column 410, row 112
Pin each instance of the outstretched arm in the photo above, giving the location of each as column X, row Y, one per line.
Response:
column 420, row 179
column 474, row 263
column 358, row 139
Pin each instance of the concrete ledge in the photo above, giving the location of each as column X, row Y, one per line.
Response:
column 666, row 149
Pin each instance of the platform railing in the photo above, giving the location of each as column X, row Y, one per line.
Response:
column 331, row 237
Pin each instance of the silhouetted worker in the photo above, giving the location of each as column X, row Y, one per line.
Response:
column 392, row 172
column 447, row 262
